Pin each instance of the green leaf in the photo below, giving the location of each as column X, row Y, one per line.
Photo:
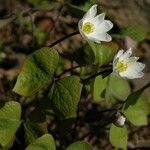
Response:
column 137, row 33
column 99, row 88
column 64, row 96
column 110, row 88
column 35, row 125
column 40, row 35
column 10, row 114
column 118, row 136
column 137, row 108
column 80, row 146
column 37, row 71
column 46, row 142
column 119, row 88
column 75, row 10
column 82, row 56
column 104, row 53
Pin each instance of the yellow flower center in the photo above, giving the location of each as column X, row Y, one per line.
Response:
column 88, row 27
column 121, row 66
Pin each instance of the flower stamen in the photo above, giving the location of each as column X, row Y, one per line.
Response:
column 88, row 27
column 121, row 66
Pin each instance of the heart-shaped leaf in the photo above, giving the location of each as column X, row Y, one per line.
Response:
column 118, row 136
column 110, row 88
column 80, row 146
column 37, row 71
column 45, row 142
column 137, row 108
column 64, row 96
column 10, row 114
column 104, row 53
column 35, row 125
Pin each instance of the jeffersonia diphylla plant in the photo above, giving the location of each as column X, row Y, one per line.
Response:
column 94, row 27
column 62, row 93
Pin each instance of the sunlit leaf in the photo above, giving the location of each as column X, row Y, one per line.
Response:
column 118, row 136
column 10, row 114
column 99, row 88
column 104, row 53
column 80, row 146
column 137, row 108
column 45, row 142
column 119, row 88
column 110, row 88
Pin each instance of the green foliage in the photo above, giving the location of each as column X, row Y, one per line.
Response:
column 46, row 4
column 137, row 108
column 37, row 71
column 110, row 88
column 137, row 33
column 83, row 56
column 33, row 130
column 104, row 53
column 118, row 136
column 64, row 96
column 10, row 114
column 40, row 35
column 79, row 8
column 119, row 88
column 80, row 146
column 99, row 88
column 75, row 10
column 46, row 142
column 35, row 125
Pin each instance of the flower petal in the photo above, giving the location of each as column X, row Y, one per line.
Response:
column 102, row 27
column 133, row 71
column 80, row 23
column 127, row 54
column 98, row 19
column 100, row 37
column 119, row 54
column 91, row 12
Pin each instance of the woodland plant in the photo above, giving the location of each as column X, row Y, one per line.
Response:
column 104, row 70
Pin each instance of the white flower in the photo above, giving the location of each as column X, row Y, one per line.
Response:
column 126, row 66
column 94, row 27
column 120, row 120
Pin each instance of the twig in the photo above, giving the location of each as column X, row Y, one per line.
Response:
column 68, row 70
column 63, row 38
column 145, row 86
column 33, row 27
column 57, row 18
column 97, row 74
column 78, row 66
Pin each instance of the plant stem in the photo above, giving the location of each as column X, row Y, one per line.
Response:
column 63, row 38
column 145, row 86
column 95, row 75
column 33, row 28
